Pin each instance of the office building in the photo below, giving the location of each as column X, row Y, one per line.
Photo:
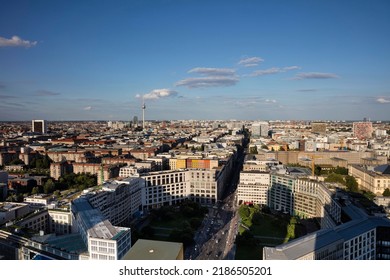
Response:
column 373, row 180
column 304, row 198
column 366, row 238
column 104, row 241
column 253, row 187
column 260, row 129
column 39, row 126
column 118, row 201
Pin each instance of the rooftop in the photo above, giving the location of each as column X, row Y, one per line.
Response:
column 325, row 237
column 98, row 226
column 155, row 250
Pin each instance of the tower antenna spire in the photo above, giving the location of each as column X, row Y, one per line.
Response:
column 143, row 113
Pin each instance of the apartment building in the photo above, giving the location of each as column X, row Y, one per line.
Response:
column 362, row 130
column 58, row 169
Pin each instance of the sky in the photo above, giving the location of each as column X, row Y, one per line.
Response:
column 201, row 59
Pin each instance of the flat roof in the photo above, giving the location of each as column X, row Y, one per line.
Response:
column 72, row 243
column 145, row 249
column 315, row 241
column 98, row 226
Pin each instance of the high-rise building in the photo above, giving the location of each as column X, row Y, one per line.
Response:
column 39, row 126
column 135, row 121
column 260, row 129
column 362, row 130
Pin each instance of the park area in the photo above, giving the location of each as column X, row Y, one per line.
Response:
column 260, row 228
column 174, row 223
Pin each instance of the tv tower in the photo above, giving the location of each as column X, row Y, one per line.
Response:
column 143, row 115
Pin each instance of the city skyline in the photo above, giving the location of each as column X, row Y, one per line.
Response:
column 194, row 60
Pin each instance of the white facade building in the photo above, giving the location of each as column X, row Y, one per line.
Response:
column 260, row 129
column 118, row 201
column 104, row 241
column 253, row 187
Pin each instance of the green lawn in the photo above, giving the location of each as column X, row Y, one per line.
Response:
column 264, row 230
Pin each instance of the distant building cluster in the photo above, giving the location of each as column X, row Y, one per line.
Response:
column 163, row 163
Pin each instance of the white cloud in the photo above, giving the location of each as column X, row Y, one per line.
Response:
column 16, row 41
column 270, row 101
column 157, row 94
column 88, row 108
column 273, row 70
column 289, row 68
column 202, row 82
column 269, row 71
column 315, row 75
column 213, row 71
column 251, row 61
column 383, row 100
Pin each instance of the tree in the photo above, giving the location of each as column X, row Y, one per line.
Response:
column 317, row 170
column 253, row 150
column 48, row 187
column 351, row 184
column 244, row 211
column 16, row 161
column 57, row 193
column 335, row 178
column 290, row 229
column 341, row 170
column 386, row 192
column 35, row 190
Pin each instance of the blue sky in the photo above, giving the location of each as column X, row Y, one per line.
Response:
column 97, row 60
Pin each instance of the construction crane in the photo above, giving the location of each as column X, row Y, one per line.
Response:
column 313, row 157
column 341, row 142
